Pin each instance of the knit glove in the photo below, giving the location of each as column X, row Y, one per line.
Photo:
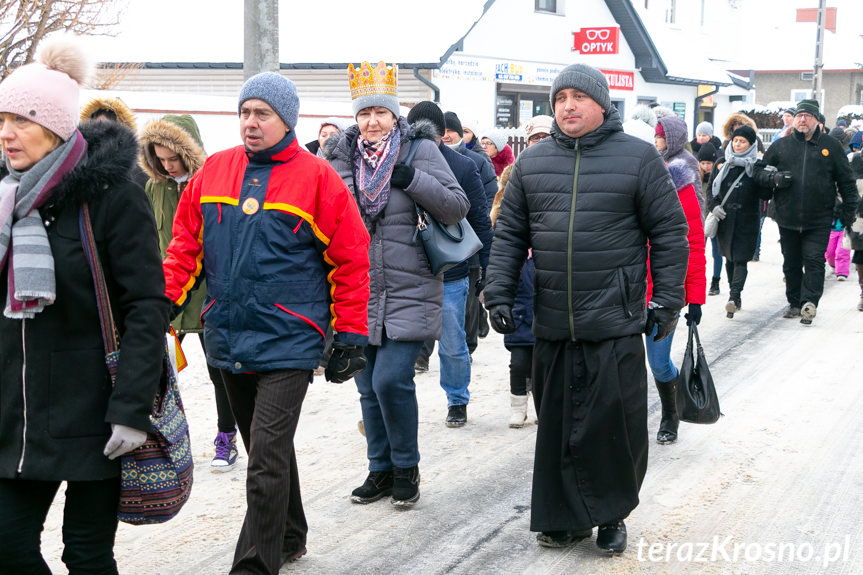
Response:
column 664, row 319
column 402, row 176
column 346, row 362
column 123, row 440
column 500, row 317
column 694, row 314
column 719, row 213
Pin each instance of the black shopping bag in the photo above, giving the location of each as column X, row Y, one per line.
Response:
column 696, row 394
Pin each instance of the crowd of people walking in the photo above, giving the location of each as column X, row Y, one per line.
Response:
column 285, row 259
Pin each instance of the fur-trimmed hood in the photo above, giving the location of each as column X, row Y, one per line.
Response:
column 682, row 174
column 111, row 152
column 116, row 105
column 737, row 119
column 178, row 133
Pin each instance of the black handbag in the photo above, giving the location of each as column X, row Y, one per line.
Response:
column 696, row 395
column 445, row 245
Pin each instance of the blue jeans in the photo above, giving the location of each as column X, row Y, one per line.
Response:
column 717, row 257
column 452, row 348
column 389, row 402
column 659, row 358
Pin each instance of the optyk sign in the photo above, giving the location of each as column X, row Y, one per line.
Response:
column 596, row 40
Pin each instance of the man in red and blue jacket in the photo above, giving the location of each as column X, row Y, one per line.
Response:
column 279, row 239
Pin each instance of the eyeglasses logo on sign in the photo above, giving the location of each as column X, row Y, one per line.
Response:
column 598, row 40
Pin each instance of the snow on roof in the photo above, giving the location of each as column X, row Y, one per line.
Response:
column 335, row 31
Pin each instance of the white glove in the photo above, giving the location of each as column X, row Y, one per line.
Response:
column 123, row 440
column 719, row 213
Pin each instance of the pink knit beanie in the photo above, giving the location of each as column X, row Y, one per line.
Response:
column 46, row 92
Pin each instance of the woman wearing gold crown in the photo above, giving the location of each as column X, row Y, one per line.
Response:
column 405, row 299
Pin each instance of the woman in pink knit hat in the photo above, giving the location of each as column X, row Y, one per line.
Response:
column 61, row 419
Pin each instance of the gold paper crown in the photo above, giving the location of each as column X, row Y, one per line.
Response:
column 368, row 81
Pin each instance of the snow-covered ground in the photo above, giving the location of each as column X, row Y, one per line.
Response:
column 774, row 487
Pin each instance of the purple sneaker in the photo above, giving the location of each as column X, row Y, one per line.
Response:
column 226, row 451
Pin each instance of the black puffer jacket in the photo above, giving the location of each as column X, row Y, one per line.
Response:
column 818, row 169
column 587, row 208
column 69, row 400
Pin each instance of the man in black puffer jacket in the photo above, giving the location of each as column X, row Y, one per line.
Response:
column 587, row 200
column 805, row 169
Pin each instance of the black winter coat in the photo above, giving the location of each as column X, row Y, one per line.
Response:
column 818, row 168
column 738, row 232
column 486, row 171
column 587, row 207
column 467, row 177
column 69, row 400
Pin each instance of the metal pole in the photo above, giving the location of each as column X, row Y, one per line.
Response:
column 260, row 37
column 819, row 51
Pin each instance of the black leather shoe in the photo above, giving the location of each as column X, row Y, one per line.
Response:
column 557, row 539
column 611, row 537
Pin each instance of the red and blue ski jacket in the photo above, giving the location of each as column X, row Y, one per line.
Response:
column 280, row 241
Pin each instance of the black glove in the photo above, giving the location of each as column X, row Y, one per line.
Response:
column 402, row 177
column 500, row 317
column 782, row 180
column 664, row 319
column 346, row 362
column 479, row 285
column 694, row 314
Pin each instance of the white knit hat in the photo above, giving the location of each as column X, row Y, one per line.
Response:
column 46, row 92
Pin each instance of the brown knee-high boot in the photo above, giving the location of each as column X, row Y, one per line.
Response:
column 668, row 425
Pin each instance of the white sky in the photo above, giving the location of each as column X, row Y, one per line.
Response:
column 764, row 36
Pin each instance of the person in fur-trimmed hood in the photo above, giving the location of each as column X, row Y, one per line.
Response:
column 733, row 122
column 685, row 172
column 60, row 417
column 171, row 153
column 114, row 110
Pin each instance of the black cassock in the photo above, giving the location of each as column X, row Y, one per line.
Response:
column 591, row 444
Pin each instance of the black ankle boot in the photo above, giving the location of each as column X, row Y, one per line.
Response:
column 714, row 287
column 406, row 486
column 668, row 425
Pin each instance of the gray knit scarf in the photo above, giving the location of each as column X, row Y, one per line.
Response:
column 747, row 160
column 31, row 266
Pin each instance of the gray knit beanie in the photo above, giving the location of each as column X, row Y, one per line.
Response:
column 391, row 103
column 497, row 138
column 586, row 79
column 277, row 91
column 705, row 128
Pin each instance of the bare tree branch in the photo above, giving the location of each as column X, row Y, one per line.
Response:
column 25, row 23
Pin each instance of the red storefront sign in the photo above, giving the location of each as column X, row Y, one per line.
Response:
column 596, row 40
column 618, row 80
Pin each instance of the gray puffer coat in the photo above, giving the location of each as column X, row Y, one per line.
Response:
column 587, row 207
column 405, row 298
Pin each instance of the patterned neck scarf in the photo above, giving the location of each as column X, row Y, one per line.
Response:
column 374, row 167
column 23, row 239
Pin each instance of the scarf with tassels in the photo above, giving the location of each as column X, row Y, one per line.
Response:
column 375, row 163
column 23, row 239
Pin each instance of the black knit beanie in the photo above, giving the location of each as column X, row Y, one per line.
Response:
column 707, row 153
column 428, row 111
column 808, row 106
column 745, row 132
column 451, row 122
